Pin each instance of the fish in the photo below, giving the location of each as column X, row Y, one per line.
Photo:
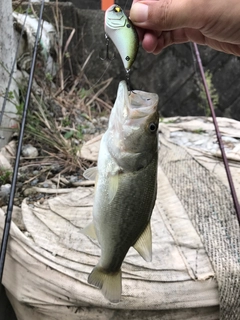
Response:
column 123, row 34
column 125, row 187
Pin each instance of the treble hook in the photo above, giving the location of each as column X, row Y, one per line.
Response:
column 107, row 50
column 128, row 80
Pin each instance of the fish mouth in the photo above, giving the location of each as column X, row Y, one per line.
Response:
column 137, row 103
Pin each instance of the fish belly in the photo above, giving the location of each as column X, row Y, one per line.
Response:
column 120, row 223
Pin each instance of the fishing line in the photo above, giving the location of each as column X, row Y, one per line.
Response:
column 106, row 69
column 218, row 134
column 108, row 40
column 15, row 172
column 125, row 5
column 194, row 60
column 13, row 67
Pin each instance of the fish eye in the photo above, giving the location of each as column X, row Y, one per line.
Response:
column 152, row 127
column 117, row 9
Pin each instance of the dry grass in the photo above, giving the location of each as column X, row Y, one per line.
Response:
column 58, row 137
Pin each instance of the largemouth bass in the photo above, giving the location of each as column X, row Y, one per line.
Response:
column 126, row 185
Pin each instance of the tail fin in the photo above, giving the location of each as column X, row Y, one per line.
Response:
column 109, row 283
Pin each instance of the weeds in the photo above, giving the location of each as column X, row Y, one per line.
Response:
column 61, row 107
column 5, row 176
column 163, row 120
column 213, row 93
column 199, row 131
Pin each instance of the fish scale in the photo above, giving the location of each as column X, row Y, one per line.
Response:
column 140, row 201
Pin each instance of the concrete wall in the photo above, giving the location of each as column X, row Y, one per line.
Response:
column 96, row 4
column 172, row 74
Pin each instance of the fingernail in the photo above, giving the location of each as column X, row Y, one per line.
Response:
column 139, row 12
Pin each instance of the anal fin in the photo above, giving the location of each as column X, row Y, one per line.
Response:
column 90, row 231
column 144, row 244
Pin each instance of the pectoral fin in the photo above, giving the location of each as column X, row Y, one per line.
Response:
column 144, row 244
column 91, row 173
column 112, row 186
column 90, row 232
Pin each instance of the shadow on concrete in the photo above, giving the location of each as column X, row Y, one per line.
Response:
column 6, row 310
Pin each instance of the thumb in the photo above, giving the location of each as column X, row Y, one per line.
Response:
column 165, row 14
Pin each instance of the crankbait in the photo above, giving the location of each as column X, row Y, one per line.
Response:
column 123, row 34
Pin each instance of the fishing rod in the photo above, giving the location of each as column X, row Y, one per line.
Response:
column 218, row 134
column 15, row 172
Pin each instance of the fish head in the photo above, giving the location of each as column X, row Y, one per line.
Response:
column 133, row 127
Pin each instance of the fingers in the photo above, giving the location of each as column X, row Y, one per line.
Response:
column 161, row 23
column 150, row 41
column 166, row 14
column 154, row 44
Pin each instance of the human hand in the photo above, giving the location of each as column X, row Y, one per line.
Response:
column 215, row 23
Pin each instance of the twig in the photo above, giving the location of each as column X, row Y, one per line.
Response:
column 219, row 137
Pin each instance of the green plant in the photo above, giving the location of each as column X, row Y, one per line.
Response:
column 79, row 133
column 5, row 176
column 83, row 93
column 19, row 108
column 66, row 121
column 75, row 133
column 199, row 131
column 163, row 120
column 19, row 9
column 49, row 77
column 213, row 93
column 11, row 95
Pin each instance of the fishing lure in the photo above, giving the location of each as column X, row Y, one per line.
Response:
column 123, row 34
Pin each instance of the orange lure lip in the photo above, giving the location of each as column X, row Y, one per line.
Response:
column 105, row 4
